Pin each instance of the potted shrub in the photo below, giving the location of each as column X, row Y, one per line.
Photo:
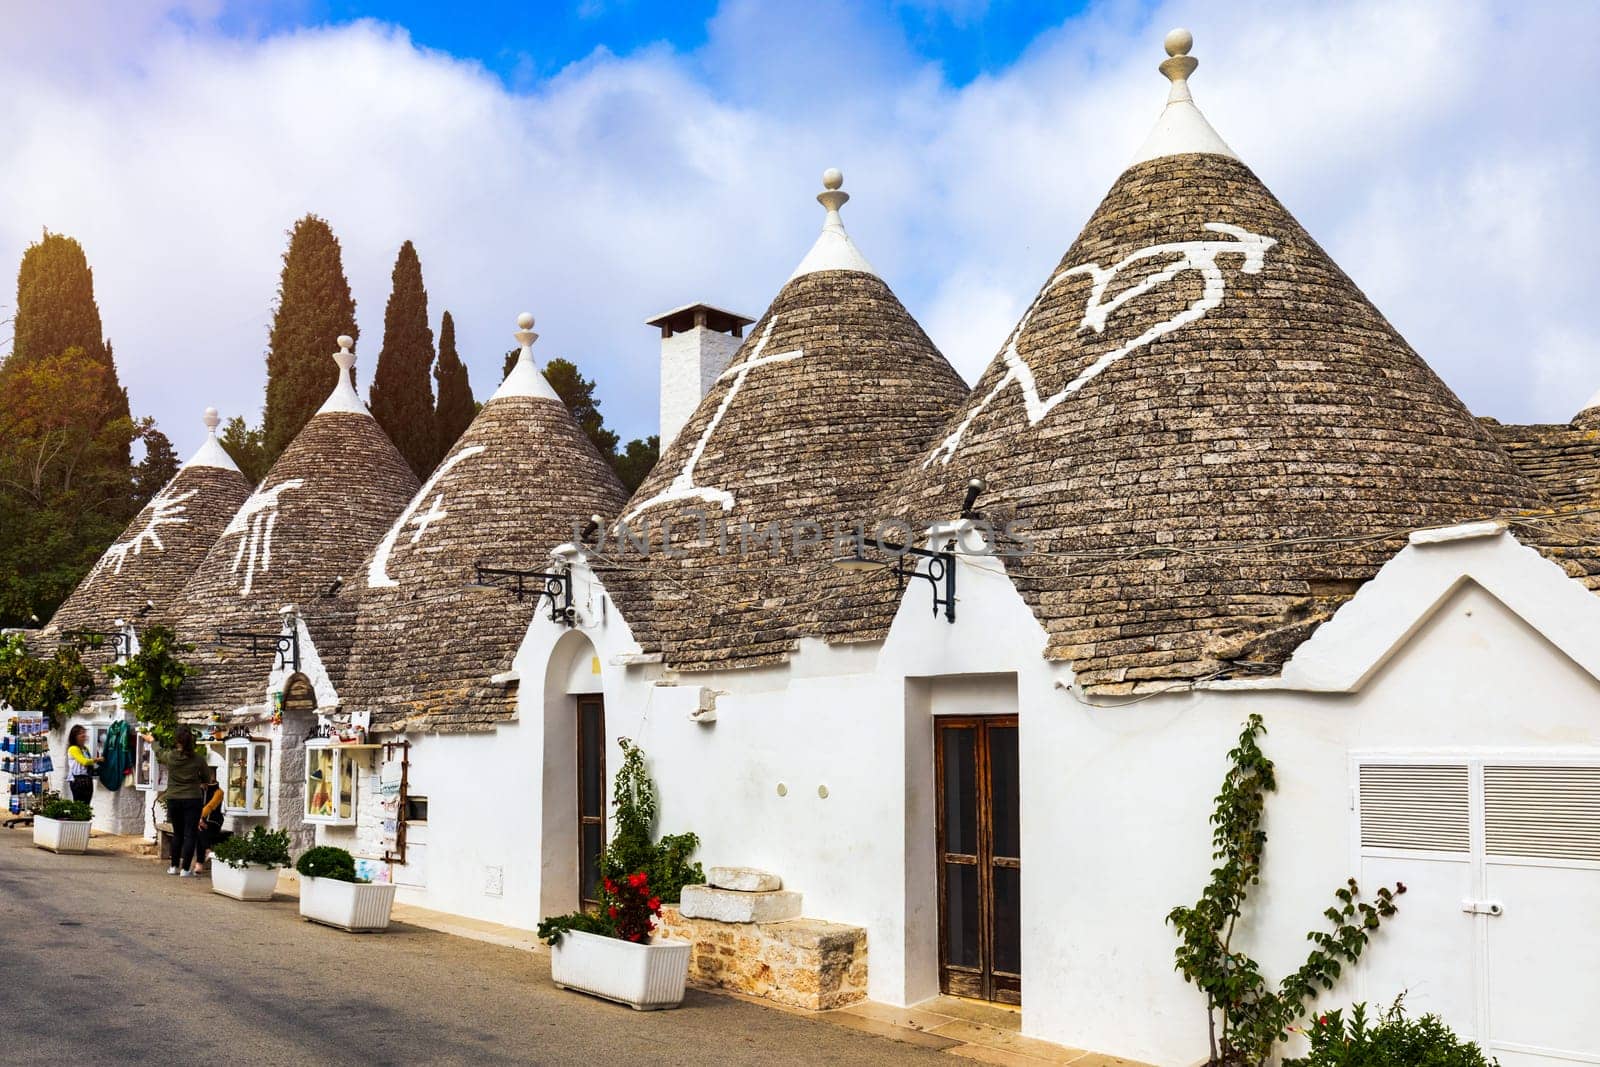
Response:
column 330, row 893
column 245, row 866
column 62, row 825
column 611, row 954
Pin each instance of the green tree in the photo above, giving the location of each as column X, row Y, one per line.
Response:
column 66, row 489
column 158, row 467
column 247, row 446
column 456, row 408
column 56, row 686
column 634, row 463
column 402, row 394
column 314, row 307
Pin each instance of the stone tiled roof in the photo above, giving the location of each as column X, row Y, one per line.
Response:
column 835, row 388
column 1194, row 419
column 317, row 514
column 1562, row 460
column 520, row 481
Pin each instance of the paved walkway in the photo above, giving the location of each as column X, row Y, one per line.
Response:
column 162, row 970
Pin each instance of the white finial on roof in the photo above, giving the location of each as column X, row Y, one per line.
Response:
column 1181, row 128
column 834, row 250
column 343, row 397
column 525, row 379
column 1588, row 418
column 211, row 453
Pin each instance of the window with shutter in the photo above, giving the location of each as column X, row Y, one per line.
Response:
column 1415, row 806
column 1549, row 812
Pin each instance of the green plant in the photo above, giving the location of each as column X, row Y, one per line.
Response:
column 149, row 679
column 1254, row 1017
column 1394, row 1041
column 66, row 810
column 266, row 848
column 633, row 847
column 553, row 929
column 628, row 911
column 57, row 686
column 326, row 861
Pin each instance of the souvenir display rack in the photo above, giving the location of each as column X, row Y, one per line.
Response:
column 25, row 757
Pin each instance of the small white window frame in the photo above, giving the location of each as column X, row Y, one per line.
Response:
column 341, row 760
column 249, row 746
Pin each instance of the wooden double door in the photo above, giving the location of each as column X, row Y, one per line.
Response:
column 980, row 857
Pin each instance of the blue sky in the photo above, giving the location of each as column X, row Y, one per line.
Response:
column 596, row 163
column 524, row 43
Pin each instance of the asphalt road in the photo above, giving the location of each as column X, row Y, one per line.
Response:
column 105, row 959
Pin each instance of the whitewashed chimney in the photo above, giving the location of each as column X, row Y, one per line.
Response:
column 697, row 343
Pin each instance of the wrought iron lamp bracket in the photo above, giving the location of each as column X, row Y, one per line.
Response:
column 941, row 573
column 286, row 647
column 119, row 639
column 554, row 585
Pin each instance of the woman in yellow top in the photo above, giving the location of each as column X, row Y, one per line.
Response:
column 80, row 766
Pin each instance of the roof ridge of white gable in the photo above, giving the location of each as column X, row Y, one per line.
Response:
column 833, row 250
column 525, row 379
column 344, row 398
column 1181, row 128
column 211, row 453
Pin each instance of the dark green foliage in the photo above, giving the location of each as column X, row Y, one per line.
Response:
column 148, row 681
column 247, row 446
column 551, row 930
column 634, row 463
column 577, row 392
column 66, row 480
column 1255, row 1017
column 66, row 810
column 158, row 467
column 325, row 861
column 267, row 848
column 314, row 308
column 402, row 392
column 633, row 846
column 56, row 686
column 1393, row 1041
column 455, row 409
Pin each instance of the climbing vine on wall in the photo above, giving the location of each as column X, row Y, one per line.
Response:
column 1245, row 1015
column 149, row 679
column 57, row 686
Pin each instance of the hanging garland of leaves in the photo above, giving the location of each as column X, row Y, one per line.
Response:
column 57, row 686
column 148, row 681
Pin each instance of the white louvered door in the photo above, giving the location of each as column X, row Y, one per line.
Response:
column 1499, row 932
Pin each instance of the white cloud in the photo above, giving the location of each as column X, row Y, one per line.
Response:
column 1442, row 152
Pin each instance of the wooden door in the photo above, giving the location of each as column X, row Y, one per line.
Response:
column 591, row 796
column 980, row 857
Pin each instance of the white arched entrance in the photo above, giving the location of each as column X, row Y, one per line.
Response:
column 575, row 788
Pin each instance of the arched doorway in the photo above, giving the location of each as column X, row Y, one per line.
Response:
column 575, row 776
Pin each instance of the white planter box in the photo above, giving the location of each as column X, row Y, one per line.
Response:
column 58, row 835
column 644, row 977
column 250, row 882
column 359, row 907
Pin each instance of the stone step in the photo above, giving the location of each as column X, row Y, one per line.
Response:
column 744, row 880
column 733, row 906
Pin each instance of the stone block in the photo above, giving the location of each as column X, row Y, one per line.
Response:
column 731, row 906
column 744, row 880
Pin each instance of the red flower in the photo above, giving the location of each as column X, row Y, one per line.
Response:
column 612, row 911
column 654, row 904
column 611, row 887
column 1322, row 1020
column 637, row 880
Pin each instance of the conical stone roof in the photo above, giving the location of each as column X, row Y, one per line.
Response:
column 318, row 512
column 1208, row 431
column 834, row 389
column 522, row 479
column 139, row 578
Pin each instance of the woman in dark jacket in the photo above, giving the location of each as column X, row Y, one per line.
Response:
column 186, row 790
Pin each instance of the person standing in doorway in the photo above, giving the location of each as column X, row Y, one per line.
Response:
column 186, row 791
column 80, row 765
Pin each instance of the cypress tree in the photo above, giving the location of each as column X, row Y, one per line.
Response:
column 456, row 407
column 57, row 311
column 402, row 394
column 314, row 308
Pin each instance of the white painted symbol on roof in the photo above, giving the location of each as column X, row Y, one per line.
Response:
column 683, row 487
column 1200, row 256
column 254, row 522
column 378, row 569
column 164, row 511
